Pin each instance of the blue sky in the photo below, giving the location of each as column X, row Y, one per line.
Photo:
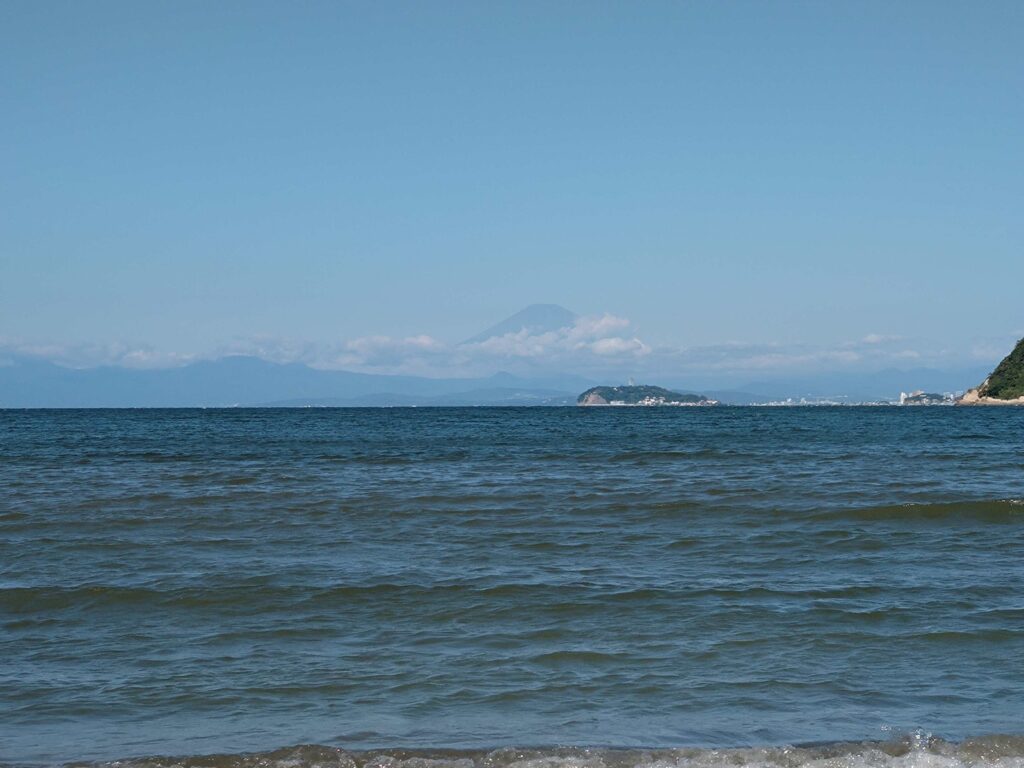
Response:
column 302, row 180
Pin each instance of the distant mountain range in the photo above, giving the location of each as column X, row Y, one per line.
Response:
column 862, row 386
column 840, row 386
column 30, row 382
column 249, row 381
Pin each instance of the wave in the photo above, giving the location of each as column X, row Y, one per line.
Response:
column 913, row 751
column 643, row 456
column 987, row 511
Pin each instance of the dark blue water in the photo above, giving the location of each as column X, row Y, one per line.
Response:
column 198, row 581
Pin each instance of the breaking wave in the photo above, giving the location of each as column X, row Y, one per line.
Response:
column 913, row 751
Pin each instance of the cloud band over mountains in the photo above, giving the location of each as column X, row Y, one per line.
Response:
column 540, row 338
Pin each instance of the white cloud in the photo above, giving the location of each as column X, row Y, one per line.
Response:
column 598, row 346
column 618, row 346
column 88, row 355
column 276, row 349
column 595, row 335
column 599, row 340
column 879, row 338
column 597, row 327
column 376, row 352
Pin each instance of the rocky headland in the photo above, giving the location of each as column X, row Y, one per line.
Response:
column 1004, row 386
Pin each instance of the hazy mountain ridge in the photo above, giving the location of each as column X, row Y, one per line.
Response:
column 494, row 396
column 245, row 381
column 31, row 382
column 861, row 386
column 234, row 381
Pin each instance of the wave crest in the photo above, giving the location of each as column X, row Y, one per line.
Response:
column 915, row 751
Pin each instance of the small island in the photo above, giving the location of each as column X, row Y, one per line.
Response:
column 642, row 395
column 1004, row 386
column 920, row 397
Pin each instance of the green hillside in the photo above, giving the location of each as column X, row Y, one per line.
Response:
column 638, row 395
column 1006, row 382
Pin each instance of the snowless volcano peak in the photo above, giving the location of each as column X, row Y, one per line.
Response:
column 535, row 319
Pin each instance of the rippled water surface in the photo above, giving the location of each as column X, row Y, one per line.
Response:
column 227, row 581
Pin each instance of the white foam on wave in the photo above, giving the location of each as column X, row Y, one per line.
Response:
column 917, row 751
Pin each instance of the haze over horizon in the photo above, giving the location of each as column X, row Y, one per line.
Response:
column 542, row 355
column 719, row 193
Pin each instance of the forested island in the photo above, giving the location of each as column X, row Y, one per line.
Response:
column 640, row 395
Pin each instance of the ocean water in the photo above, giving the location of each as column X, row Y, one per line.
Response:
column 539, row 588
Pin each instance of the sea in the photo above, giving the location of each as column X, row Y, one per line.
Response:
column 830, row 587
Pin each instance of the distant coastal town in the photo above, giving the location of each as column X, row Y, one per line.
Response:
column 652, row 396
column 1004, row 386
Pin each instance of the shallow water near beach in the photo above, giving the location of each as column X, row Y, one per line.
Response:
column 481, row 588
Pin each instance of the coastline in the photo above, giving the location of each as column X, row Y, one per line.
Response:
column 903, row 751
column 971, row 397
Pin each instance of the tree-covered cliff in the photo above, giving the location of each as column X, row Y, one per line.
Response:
column 1006, row 382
